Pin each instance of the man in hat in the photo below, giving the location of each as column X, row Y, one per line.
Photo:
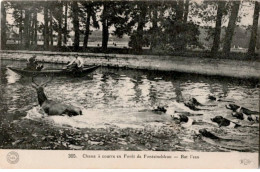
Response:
column 32, row 64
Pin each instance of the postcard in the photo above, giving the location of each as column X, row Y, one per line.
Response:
column 129, row 84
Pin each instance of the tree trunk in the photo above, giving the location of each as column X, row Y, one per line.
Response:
column 32, row 29
column 60, row 25
column 51, row 28
column 105, row 32
column 3, row 26
column 252, row 43
column 231, row 28
column 65, row 23
column 87, row 30
column 185, row 19
column 105, row 35
column 186, row 11
column 140, row 32
column 154, row 28
column 35, row 27
column 179, row 10
column 75, row 16
column 46, row 28
column 26, row 29
column 21, row 28
column 217, row 33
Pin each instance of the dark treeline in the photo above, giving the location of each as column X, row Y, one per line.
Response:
column 163, row 26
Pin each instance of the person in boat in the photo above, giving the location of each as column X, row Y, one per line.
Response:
column 75, row 64
column 32, row 64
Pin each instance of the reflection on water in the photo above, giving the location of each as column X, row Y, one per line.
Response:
column 12, row 77
column 123, row 99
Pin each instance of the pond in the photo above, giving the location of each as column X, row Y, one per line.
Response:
column 117, row 111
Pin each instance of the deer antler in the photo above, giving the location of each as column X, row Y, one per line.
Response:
column 34, row 81
column 42, row 84
column 48, row 81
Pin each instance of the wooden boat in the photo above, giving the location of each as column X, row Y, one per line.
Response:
column 54, row 72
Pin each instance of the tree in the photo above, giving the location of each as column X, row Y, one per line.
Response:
column 87, row 31
column 153, row 32
column 253, row 38
column 185, row 16
column 104, row 20
column 35, row 8
column 90, row 8
column 132, row 21
column 32, row 28
column 46, row 26
column 216, row 41
column 18, row 18
column 60, row 24
column 3, row 25
column 114, row 13
column 156, row 11
column 21, row 26
column 35, row 27
column 168, row 29
column 51, row 26
column 176, row 35
column 138, row 18
column 65, row 23
column 22, row 14
column 57, row 22
column 231, row 28
column 137, row 38
column 179, row 10
column 186, row 11
column 75, row 21
column 176, row 32
column 26, row 28
column 181, row 28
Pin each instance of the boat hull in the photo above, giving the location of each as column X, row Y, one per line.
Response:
column 53, row 72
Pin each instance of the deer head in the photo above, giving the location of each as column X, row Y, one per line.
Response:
column 40, row 90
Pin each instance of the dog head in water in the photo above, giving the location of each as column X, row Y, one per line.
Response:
column 220, row 121
column 180, row 118
column 232, row 107
column 238, row 115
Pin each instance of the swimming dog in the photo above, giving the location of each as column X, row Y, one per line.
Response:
column 242, row 116
column 208, row 134
column 218, row 99
column 192, row 105
column 195, row 102
column 224, row 122
column 159, row 109
column 182, row 119
column 236, row 108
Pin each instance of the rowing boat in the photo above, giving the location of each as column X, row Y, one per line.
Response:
column 54, row 72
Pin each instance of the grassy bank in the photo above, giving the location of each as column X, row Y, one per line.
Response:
column 114, row 50
column 244, row 69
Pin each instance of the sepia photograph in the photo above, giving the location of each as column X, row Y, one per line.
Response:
column 157, row 78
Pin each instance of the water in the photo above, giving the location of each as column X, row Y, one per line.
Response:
column 117, row 104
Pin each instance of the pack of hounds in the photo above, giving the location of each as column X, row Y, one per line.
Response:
column 51, row 107
column 238, row 112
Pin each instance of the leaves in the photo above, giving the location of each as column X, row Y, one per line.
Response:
column 147, row 23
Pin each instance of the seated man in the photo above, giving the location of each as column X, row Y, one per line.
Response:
column 76, row 64
column 32, row 64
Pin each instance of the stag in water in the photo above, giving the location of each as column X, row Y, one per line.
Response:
column 51, row 107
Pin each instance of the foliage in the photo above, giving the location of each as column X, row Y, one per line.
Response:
column 164, row 26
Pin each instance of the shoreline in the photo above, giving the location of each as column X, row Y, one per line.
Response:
column 196, row 65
